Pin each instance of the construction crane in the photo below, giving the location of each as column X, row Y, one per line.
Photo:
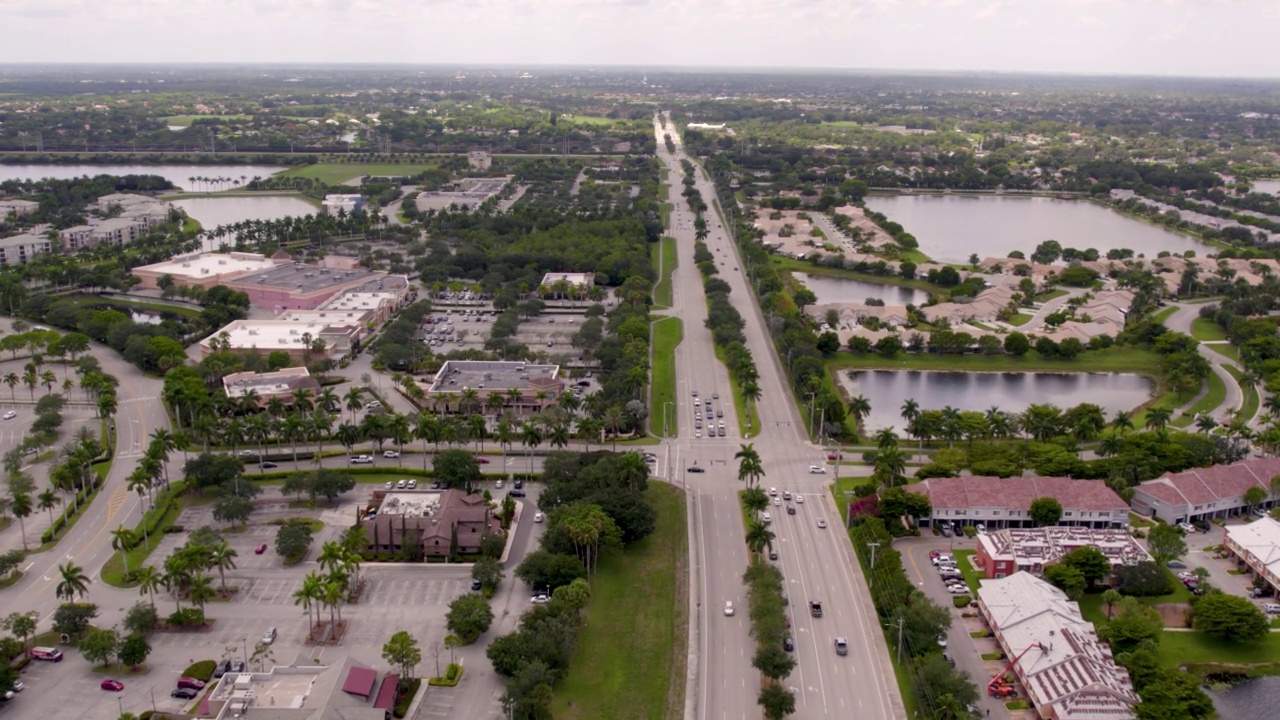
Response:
column 998, row 688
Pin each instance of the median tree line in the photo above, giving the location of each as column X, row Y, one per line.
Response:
column 595, row 505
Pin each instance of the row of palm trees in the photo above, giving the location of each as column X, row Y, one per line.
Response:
column 337, row 581
column 750, row 471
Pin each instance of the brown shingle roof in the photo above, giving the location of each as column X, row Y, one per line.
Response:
column 1018, row 493
column 1202, row 486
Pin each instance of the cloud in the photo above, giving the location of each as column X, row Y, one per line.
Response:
column 1089, row 21
column 991, row 8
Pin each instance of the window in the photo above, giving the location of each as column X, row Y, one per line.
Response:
column 1067, row 513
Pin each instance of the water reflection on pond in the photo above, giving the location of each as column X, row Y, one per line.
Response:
column 181, row 175
column 1011, row 392
column 844, row 290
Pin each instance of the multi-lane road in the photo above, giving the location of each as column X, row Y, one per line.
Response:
column 817, row 563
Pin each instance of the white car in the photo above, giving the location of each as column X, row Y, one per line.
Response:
column 10, row 415
column 777, row 502
column 767, row 518
column 822, row 523
column 362, row 460
column 498, row 484
column 540, row 599
column 1187, row 528
column 728, row 608
column 1271, row 609
column 799, row 499
column 390, row 454
column 816, row 470
column 773, row 492
column 957, row 589
column 538, row 517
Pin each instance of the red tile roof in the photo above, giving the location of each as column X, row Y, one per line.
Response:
column 1202, row 486
column 386, row 699
column 1017, row 493
column 360, row 681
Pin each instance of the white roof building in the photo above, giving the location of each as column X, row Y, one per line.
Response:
column 204, row 268
column 17, row 208
column 1067, row 673
column 573, row 279
column 1257, row 545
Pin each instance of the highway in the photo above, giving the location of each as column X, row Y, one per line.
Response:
column 818, row 564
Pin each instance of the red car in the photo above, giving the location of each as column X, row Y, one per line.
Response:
column 112, row 685
column 836, row 456
column 483, row 461
column 260, row 549
column 933, row 554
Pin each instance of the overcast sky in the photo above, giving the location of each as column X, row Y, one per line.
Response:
column 1165, row 37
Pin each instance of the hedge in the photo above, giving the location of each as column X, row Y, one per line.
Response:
column 202, row 670
column 165, row 500
column 406, row 697
column 450, row 679
column 72, row 511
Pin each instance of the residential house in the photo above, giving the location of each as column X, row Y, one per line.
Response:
column 1256, row 546
column 1006, row 502
column 1005, row 552
column 1202, row 494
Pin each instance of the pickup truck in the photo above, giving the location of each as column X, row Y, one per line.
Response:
column 815, row 608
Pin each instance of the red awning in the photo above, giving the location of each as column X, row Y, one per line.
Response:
column 386, row 699
column 360, row 681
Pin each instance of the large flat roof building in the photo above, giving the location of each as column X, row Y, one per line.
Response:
column 281, row 383
column 292, row 286
column 520, row 383
column 267, row 336
column 202, row 269
column 1067, row 673
column 349, row 690
column 346, row 203
column 1005, row 552
column 1257, row 547
column 17, row 208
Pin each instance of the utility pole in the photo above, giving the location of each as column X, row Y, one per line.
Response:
column 871, row 575
column 901, row 637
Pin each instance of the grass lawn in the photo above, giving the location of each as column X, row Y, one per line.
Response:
column 334, row 173
column 1046, row 297
column 631, row 657
column 1204, row 329
column 591, row 119
column 667, row 334
column 113, row 569
column 1093, row 610
column 1020, row 319
column 666, row 208
column 915, row 256
column 1227, row 351
column 1179, row 648
column 1113, row 359
column 187, row 120
column 971, row 575
column 662, row 291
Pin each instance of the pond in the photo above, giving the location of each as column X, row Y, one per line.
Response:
column 215, row 211
column 951, row 227
column 1254, row 698
column 180, row 175
column 1011, row 392
column 1266, row 186
column 844, row 290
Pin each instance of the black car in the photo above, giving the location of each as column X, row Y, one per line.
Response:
column 184, row 693
column 475, row 584
column 697, row 469
column 518, row 484
column 773, row 554
column 516, row 493
column 791, row 509
column 268, row 465
column 223, row 668
column 788, row 644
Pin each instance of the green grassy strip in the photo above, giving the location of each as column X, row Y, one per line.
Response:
column 113, row 569
column 1227, row 351
column 187, row 120
column 662, row 292
column 1210, row 402
column 1020, row 319
column 666, row 208
column 667, row 334
column 334, row 173
column 748, row 420
column 1163, row 315
column 971, row 576
column 1051, row 295
column 1204, row 329
column 1249, row 405
column 630, row 660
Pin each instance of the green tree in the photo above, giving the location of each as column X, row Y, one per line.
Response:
column 1045, row 511
column 1067, row 579
column 1134, row 625
column 141, row 619
column 469, row 617
column 574, row 596
column 489, row 572
column 22, row 625
column 1110, row 597
column 402, row 652
column 1229, row 617
column 99, row 645
column 293, row 540
column 73, row 618
column 1166, row 543
column 773, row 662
column 457, row 469
column 74, row 582
column 1091, row 563
column 777, row 701
column 134, row 650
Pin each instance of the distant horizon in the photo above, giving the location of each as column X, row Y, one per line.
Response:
column 154, row 66
column 1138, row 38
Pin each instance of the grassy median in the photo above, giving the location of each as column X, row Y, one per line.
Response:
column 665, row 261
column 631, row 658
column 667, row 334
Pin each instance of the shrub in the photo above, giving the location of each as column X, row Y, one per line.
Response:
column 961, row 601
column 450, row 679
column 187, row 617
column 409, row 688
column 202, row 670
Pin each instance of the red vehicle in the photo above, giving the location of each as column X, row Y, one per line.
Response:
column 260, row 549
column 112, row 685
column 483, row 461
column 836, row 456
column 47, row 654
column 191, row 683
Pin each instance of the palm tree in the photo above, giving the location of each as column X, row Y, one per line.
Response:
column 200, row 589
column 859, row 407
column 1205, row 423
column 910, row 411
column 149, row 581
column 1158, row 418
column 12, row 381
column 755, row 500
column 223, row 557
column 354, row 402
column 558, row 436
column 613, row 418
column 74, row 582
column 759, row 537
column 750, row 469
column 750, row 393
column 1123, row 420
column 308, row 595
column 531, row 438
column 401, row 432
column 47, row 500
column 122, row 539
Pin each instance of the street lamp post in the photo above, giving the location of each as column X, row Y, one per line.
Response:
column 871, row 578
column 665, row 405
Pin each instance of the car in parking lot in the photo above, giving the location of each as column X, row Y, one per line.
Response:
column 1271, row 609
column 940, row 558
column 696, row 469
column 402, row 484
column 715, row 396
column 540, row 599
column 10, row 415
column 720, row 431
column 112, row 685
column 1187, row 528
column 184, row 693
column 269, row 636
column 190, row 682
column 516, row 493
column 773, row 492
column 799, row 498
column 260, row 549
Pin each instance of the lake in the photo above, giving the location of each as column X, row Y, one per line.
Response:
column 1011, row 392
column 179, row 175
column 1266, row 186
column 215, row 211
column 951, row 227
column 844, row 290
column 1255, row 698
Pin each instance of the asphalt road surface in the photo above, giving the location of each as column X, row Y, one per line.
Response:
column 817, row 563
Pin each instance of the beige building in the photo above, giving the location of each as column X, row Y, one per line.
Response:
column 527, row 388
column 20, row 249
column 202, row 269
column 279, row 384
column 268, row 336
